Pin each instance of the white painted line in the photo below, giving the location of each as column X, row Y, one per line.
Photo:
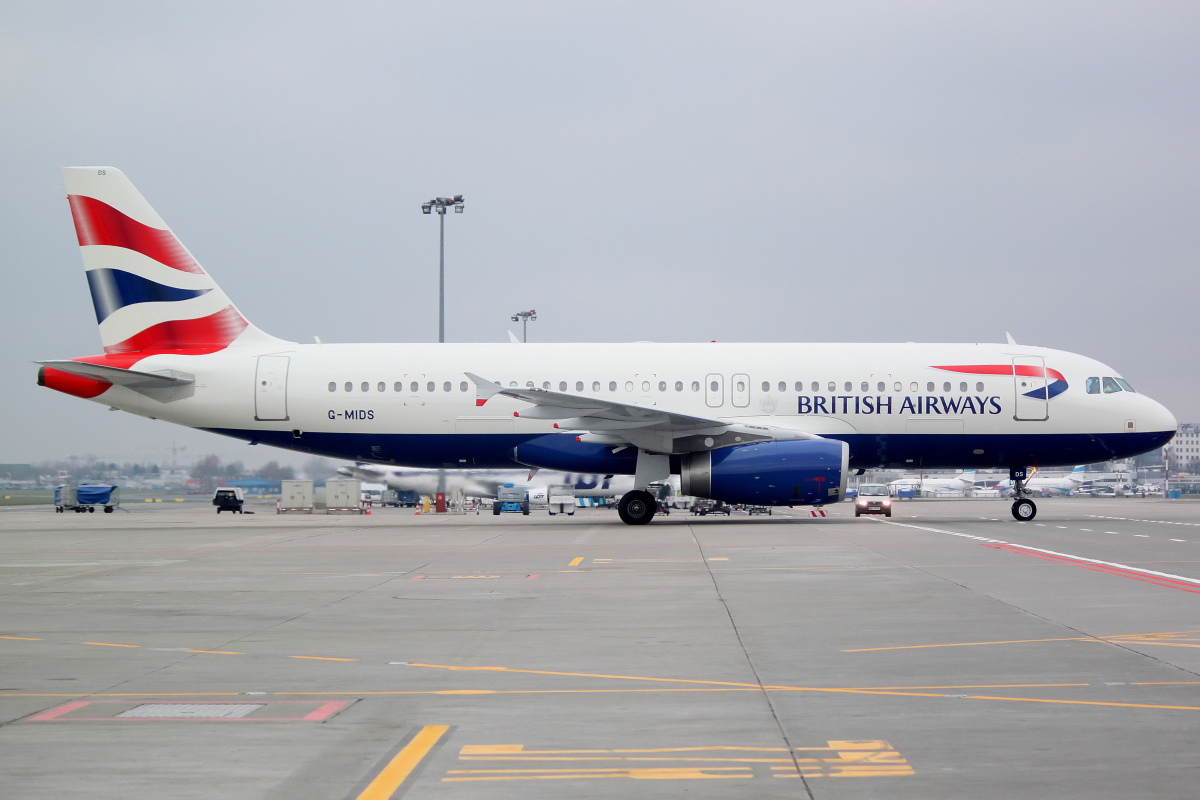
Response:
column 1088, row 530
column 1141, row 536
column 1177, row 540
column 1167, row 575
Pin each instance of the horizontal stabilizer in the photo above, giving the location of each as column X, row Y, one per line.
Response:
column 134, row 379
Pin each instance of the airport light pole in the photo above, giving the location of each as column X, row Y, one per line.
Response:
column 524, row 317
column 441, row 204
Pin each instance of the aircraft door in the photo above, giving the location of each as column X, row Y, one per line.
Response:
column 739, row 390
column 714, row 390
column 270, row 388
column 1031, row 388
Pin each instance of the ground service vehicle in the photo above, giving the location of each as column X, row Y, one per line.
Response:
column 512, row 499
column 873, row 498
column 229, row 498
column 561, row 497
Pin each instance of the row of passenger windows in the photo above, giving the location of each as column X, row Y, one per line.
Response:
column 714, row 386
column 1109, row 385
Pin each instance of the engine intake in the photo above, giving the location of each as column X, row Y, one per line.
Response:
column 805, row 472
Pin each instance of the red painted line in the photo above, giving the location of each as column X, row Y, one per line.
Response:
column 55, row 713
column 1123, row 573
column 325, row 710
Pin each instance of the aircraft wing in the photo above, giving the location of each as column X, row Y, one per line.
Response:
column 611, row 422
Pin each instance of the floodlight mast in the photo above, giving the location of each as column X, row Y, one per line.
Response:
column 524, row 317
column 441, row 204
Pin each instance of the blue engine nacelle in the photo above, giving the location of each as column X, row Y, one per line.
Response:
column 806, row 472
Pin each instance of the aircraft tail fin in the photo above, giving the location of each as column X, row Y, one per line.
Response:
column 150, row 294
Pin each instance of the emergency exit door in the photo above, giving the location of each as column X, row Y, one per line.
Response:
column 270, row 388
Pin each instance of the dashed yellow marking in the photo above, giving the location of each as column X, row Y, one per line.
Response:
column 323, row 658
column 575, row 562
column 110, row 644
column 21, row 638
column 218, row 652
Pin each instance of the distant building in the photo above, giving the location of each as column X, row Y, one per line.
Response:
column 1183, row 452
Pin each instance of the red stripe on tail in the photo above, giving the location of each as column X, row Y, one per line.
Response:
column 197, row 336
column 99, row 223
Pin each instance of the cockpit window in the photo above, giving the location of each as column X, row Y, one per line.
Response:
column 1111, row 385
column 1124, row 384
column 1093, row 386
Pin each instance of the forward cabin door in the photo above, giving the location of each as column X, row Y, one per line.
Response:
column 270, row 388
column 1031, row 388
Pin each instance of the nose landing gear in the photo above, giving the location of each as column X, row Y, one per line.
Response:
column 1023, row 509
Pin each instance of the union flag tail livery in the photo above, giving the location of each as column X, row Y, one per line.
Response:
column 149, row 292
column 760, row 424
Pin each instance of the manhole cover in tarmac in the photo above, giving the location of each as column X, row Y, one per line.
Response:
column 190, row 710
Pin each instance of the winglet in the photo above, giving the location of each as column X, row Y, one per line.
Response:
column 484, row 389
column 512, row 337
column 1009, row 337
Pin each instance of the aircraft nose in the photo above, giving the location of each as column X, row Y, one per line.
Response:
column 1156, row 417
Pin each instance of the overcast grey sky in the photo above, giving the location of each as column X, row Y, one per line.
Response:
column 672, row 171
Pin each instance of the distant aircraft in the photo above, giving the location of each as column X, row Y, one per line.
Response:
column 1050, row 485
column 766, row 424
column 484, row 483
column 963, row 482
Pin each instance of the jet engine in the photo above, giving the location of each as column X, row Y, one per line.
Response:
column 778, row 473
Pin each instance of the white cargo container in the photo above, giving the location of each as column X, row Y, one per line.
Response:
column 295, row 496
column 343, row 496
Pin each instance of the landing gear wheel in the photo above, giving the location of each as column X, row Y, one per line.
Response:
column 636, row 507
column 1024, row 510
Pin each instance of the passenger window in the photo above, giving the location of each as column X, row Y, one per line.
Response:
column 679, row 386
column 766, row 386
column 962, row 387
column 946, row 386
column 447, row 386
column 366, row 387
column 595, row 386
column 799, row 386
column 629, row 386
column 1124, row 384
column 546, row 385
column 979, row 386
column 882, row 386
column 816, row 387
column 1111, row 385
column 898, row 386
column 512, row 384
column 528, row 384
column 695, row 386
column 399, row 387
column 333, row 386
column 349, row 386
column 612, row 386
column 849, row 386
column 579, row 386
column 866, row 387
column 430, row 387
column 832, row 386
column 462, row 387
column 662, row 386
column 414, row 387
column 929, row 386
column 782, row 386
column 562, row 386
column 912, row 387
column 382, row 387
column 713, row 386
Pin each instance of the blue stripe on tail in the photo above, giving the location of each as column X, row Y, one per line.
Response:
column 113, row 289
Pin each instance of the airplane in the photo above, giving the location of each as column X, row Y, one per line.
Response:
column 774, row 424
column 962, row 482
column 484, row 483
column 1050, row 485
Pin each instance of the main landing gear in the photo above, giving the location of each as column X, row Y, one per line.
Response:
column 637, row 507
column 1023, row 509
